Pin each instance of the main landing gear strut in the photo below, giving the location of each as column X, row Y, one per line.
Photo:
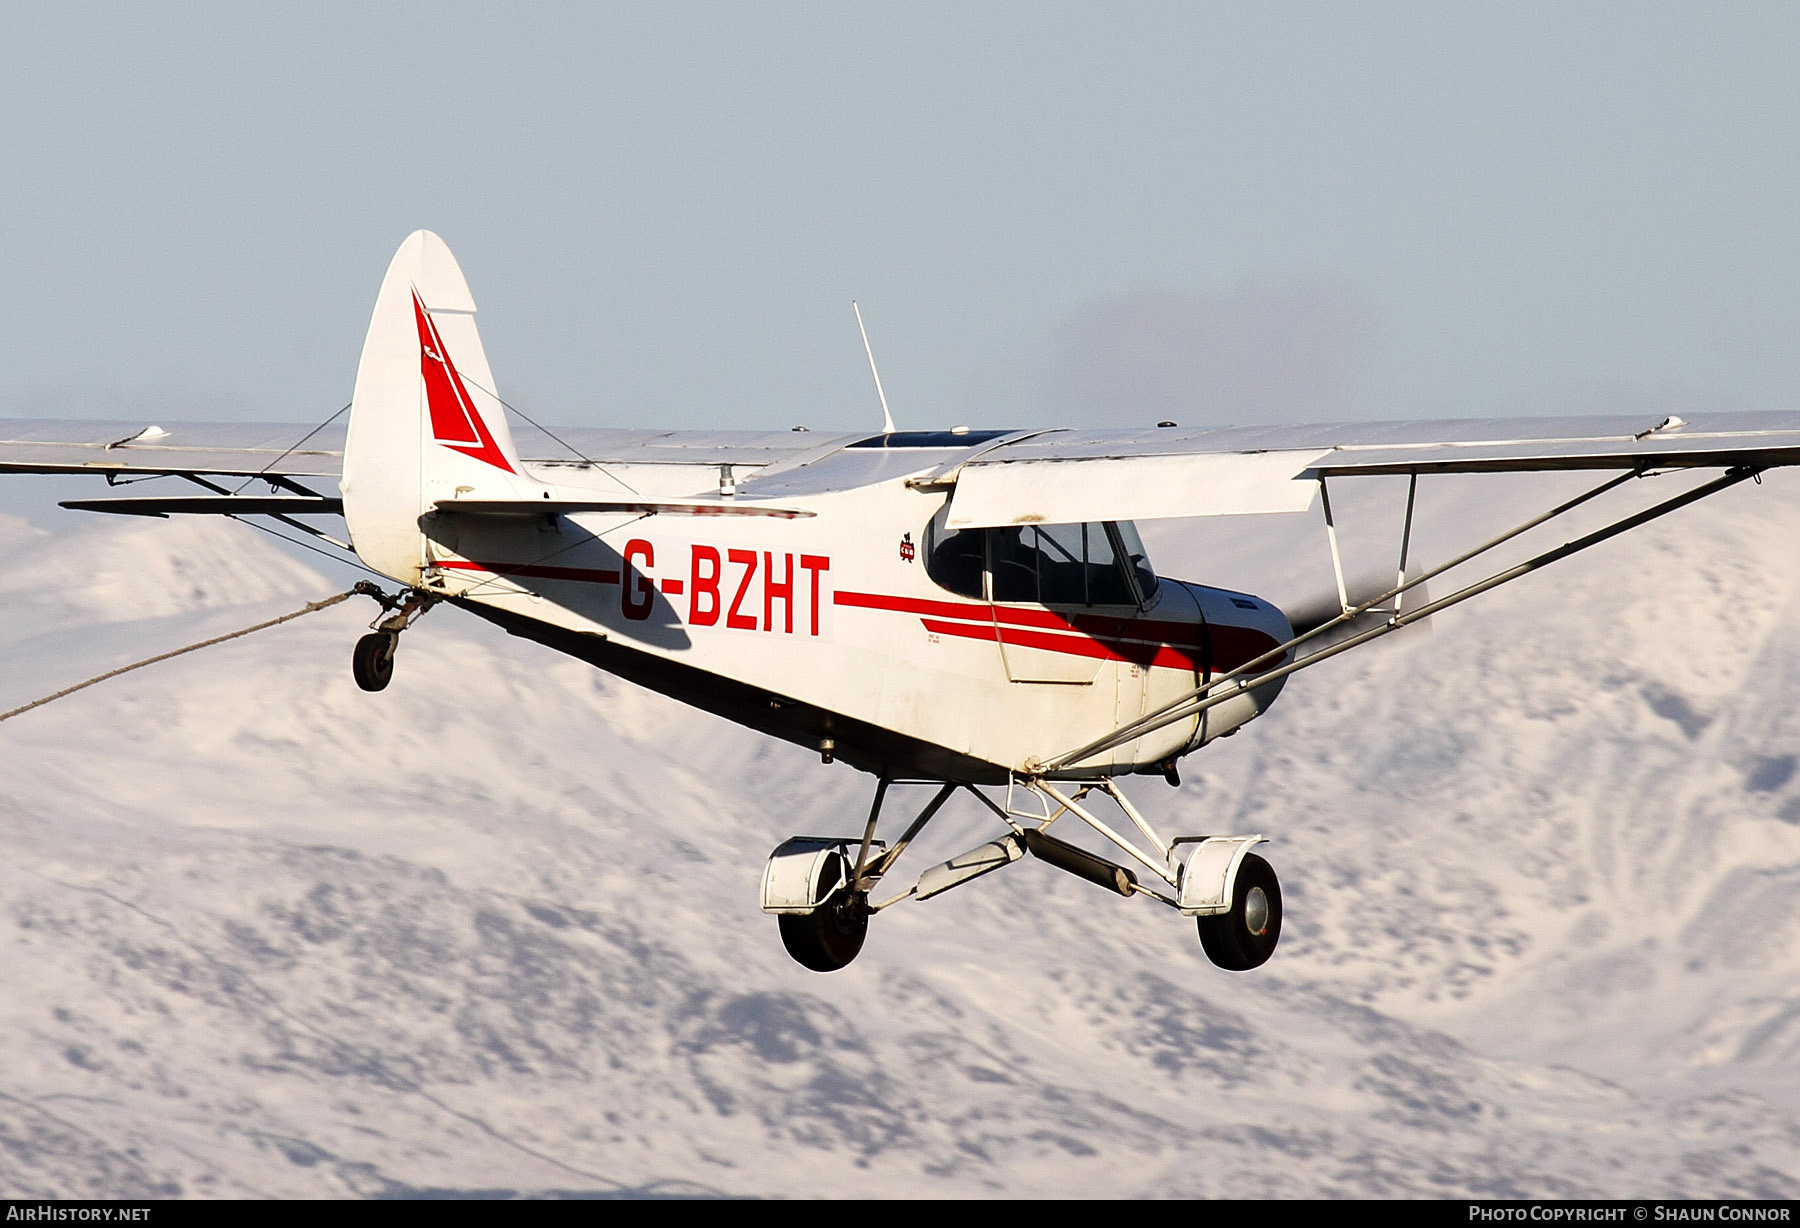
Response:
column 820, row 887
column 372, row 661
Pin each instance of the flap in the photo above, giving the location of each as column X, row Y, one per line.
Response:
column 1078, row 490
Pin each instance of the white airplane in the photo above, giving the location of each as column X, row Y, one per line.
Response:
column 971, row 609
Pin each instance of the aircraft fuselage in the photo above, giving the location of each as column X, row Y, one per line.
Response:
column 841, row 630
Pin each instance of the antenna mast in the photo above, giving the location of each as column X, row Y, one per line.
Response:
column 887, row 419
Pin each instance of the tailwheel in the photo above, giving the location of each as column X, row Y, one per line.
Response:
column 373, row 661
column 828, row 937
column 1245, row 937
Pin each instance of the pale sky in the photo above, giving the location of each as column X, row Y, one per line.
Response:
column 1050, row 213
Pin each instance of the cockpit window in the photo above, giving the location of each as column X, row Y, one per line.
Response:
column 955, row 560
column 1094, row 564
column 1062, row 566
column 1012, row 562
column 1056, row 564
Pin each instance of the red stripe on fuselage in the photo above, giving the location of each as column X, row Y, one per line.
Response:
column 1146, row 630
column 1158, row 656
column 1162, row 645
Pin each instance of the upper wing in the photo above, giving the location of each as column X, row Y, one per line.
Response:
column 1056, row 476
column 286, row 449
column 1066, row 476
column 223, row 449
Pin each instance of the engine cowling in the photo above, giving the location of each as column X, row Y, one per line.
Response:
column 1235, row 628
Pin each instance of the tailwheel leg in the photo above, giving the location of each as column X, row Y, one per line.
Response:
column 831, row 935
column 372, row 662
column 1244, row 937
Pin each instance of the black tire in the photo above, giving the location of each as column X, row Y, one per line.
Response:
column 1245, row 937
column 373, row 660
column 828, row 937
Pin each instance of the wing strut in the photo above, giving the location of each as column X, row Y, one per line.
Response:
column 1337, row 560
column 1412, row 490
column 1252, row 674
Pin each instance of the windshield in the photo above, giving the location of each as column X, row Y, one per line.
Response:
column 1137, row 559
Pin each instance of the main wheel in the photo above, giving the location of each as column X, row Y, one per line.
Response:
column 373, row 660
column 828, row 937
column 1245, row 937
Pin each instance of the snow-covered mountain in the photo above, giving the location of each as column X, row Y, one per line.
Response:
column 494, row 929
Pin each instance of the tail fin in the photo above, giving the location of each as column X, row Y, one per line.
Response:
column 425, row 422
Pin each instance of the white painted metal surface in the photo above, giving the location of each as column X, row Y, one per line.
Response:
column 1207, row 869
column 791, row 879
column 424, row 421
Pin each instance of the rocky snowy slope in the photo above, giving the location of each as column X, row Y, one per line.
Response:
column 495, row 928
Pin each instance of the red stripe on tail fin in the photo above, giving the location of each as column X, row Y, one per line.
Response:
column 455, row 422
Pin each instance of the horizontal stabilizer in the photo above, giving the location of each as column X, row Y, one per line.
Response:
column 213, row 505
column 640, row 507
